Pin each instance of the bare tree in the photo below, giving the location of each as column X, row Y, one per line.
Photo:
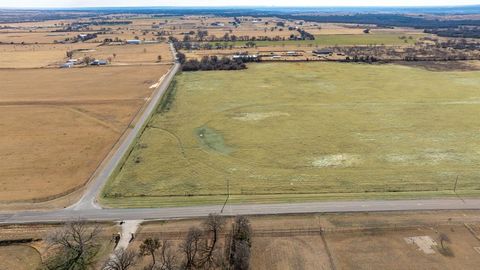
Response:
column 443, row 238
column 241, row 243
column 191, row 248
column 87, row 60
column 74, row 246
column 445, row 249
column 121, row 260
column 213, row 225
column 149, row 247
column 243, row 229
column 167, row 259
column 241, row 257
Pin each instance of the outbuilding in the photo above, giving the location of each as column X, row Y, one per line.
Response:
column 134, row 41
column 323, row 51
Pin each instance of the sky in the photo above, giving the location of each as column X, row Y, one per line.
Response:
column 279, row 3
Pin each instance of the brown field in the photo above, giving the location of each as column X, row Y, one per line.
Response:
column 389, row 250
column 290, row 252
column 37, row 55
column 354, row 240
column 43, row 24
column 310, row 241
column 35, row 37
column 125, row 35
column 58, row 125
column 131, row 54
column 29, row 256
column 19, row 257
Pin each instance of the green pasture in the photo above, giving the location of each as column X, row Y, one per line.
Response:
column 306, row 131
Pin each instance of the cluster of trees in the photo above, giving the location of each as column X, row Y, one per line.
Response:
column 85, row 37
column 209, row 246
column 196, row 40
column 213, row 63
column 438, row 51
column 304, row 35
column 383, row 20
column 361, row 58
column 240, row 244
column 459, row 44
column 459, row 32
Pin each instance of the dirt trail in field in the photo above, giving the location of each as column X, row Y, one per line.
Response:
column 95, row 119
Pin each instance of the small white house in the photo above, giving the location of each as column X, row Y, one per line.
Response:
column 73, row 61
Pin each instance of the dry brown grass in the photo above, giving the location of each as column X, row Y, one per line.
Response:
column 284, row 253
column 353, row 240
column 19, row 257
column 389, row 250
column 35, row 37
column 37, row 55
column 58, row 125
column 30, row 255
column 131, row 54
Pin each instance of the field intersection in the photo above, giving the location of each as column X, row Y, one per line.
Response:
column 301, row 131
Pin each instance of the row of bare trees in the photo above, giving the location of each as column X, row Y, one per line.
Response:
column 210, row 246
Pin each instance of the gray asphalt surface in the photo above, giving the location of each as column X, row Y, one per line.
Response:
column 87, row 208
column 251, row 209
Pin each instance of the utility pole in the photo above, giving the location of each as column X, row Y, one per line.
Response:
column 228, row 194
column 455, row 186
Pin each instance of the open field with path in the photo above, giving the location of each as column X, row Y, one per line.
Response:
column 300, row 131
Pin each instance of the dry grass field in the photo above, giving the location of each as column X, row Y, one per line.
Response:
column 58, row 125
column 37, row 55
column 350, row 241
column 290, row 252
column 19, row 257
column 35, row 37
column 29, row 256
column 300, row 131
column 313, row 241
column 130, row 54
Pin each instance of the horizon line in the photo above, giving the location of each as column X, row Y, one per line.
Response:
column 246, row 6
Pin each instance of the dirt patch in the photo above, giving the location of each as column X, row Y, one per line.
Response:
column 258, row 116
column 337, row 160
column 424, row 243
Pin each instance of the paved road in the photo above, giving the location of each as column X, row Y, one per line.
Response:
column 87, row 209
column 201, row 211
column 88, row 200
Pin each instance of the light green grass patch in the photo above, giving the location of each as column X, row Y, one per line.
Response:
column 306, row 131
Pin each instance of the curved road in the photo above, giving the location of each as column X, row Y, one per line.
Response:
column 87, row 208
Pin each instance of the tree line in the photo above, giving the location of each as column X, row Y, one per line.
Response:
column 459, row 32
column 211, row 63
column 383, row 20
column 212, row 245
